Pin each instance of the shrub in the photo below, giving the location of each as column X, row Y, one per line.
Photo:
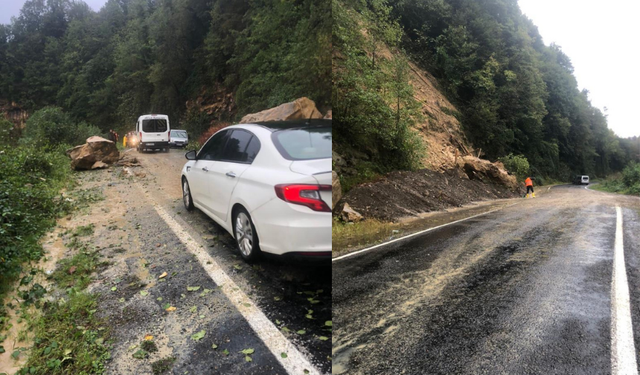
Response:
column 516, row 164
column 29, row 202
column 196, row 122
column 631, row 175
column 51, row 126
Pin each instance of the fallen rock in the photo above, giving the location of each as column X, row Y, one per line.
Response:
column 336, row 189
column 97, row 149
column 128, row 161
column 302, row 108
column 484, row 170
column 99, row 165
column 350, row 215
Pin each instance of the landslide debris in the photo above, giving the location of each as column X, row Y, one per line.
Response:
column 96, row 153
column 402, row 194
column 299, row 109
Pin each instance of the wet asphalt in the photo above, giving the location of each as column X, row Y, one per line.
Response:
column 285, row 290
column 524, row 290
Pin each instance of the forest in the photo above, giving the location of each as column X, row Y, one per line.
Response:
column 134, row 57
column 515, row 95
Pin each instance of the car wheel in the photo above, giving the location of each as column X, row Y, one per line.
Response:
column 186, row 195
column 246, row 235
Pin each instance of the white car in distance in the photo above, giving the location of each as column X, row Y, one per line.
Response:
column 268, row 184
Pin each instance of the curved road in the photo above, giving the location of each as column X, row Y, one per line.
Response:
column 524, row 290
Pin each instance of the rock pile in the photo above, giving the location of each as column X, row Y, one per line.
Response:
column 96, row 153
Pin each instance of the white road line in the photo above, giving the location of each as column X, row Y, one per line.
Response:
column 623, row 352
column 412, row 235
column 296, row 362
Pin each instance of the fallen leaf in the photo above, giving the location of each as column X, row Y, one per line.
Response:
column 193, row 288
column 163, row 275
column 283, row 355
column 148, row 338
column 248, row 359
column 170, row 308
column 72, row 269
column 144, row 293
column 301, row 332
column 323, row 338
column 328, row 323
column 113, row 288
column 214, row 346
column 248, row 351
column 225, row 352
column 277, row 298
column 237, row 266
column 198, row 336
column 193, row 309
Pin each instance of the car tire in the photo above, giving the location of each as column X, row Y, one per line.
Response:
column 246, row 236
column 186, row 195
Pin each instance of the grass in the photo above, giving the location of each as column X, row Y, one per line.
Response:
column 76, row 271
column 354, row 235
column 162, row 366
column 83, row 231
column 69, row 338
column 614, row 185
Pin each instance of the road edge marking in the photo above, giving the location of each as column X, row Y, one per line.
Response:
column 623, row 353
column 415, row 234
column 271, row 336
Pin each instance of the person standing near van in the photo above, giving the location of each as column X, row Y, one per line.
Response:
column 529, row 184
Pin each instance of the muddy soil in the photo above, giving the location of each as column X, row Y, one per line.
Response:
column 403, row 194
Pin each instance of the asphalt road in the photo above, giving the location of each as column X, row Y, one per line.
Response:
column 524, row 290
column 153, row 233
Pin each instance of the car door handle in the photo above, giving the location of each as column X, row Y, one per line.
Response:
column 231, row 174
column 205, row 169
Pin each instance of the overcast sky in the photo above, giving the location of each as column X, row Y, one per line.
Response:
column 602, row 40
column 11, row 8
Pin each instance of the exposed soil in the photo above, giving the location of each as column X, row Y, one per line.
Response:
column 401, row 194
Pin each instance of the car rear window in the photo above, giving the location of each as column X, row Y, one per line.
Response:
column 303, row 143
column 179, row 133
column 154, row 126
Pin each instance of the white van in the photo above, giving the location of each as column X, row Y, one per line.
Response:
column 153, row 132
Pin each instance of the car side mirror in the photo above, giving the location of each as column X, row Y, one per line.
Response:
column 191, row 155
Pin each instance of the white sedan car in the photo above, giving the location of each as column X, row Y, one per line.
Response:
column 268, row 184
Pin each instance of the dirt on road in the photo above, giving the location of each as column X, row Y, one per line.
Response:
column 152, row 287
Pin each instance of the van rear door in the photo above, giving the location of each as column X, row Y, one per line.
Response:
column 155, row 129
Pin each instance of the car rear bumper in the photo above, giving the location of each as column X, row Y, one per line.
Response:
column 292, row 230
column 154, row 144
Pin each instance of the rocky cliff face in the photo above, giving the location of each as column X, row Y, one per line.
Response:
column 14, row 113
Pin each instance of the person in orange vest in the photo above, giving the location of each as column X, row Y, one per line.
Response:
column 529, row 184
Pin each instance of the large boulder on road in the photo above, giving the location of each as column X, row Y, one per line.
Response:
column 336, row 189
column 96, row 153
column 302, row 108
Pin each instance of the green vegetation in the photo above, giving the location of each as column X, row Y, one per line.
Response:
column 516, row 95
column 30, row 201
column 518, row 99
column 76, row 271
column 137, row 56
column 516, row 164
column 627, row 182
column 50, row 126
column 69, row 338
column 372, row 99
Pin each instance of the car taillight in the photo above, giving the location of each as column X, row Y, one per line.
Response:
column 305, row 195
